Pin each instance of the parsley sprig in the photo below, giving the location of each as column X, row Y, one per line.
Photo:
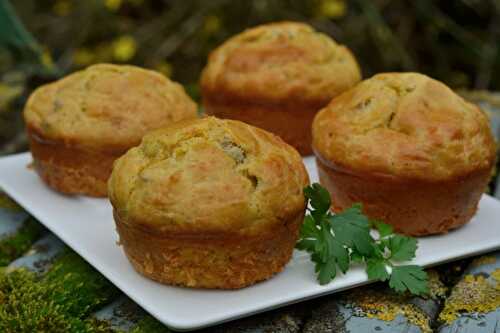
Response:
column 335, row 241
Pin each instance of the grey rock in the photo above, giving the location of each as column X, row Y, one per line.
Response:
column 122, row 315
column 41, row 255
column 287, row 320
column 11, row 221
column 376, row 308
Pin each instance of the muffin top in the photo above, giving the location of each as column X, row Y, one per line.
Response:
column 407, row 125
column 106, row 106
column 209, row 176
column 283, row 62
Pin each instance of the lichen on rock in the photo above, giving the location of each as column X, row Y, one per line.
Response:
column 387, row 306
column 473, row 294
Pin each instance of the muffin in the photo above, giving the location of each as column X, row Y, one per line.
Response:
column 276, row 77
column 209, row 203
column 79, row 125
column 414, row 153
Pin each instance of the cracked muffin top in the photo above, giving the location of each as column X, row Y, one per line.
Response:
column 407, row 125
column 284, row 62
column 211, row 176
column 106, row 105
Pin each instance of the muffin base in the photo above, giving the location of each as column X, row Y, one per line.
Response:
column 412, row 207
column 201, row 261
column 69, row 169
column 292, row 123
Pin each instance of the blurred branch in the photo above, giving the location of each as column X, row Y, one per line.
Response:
column 427, row 9
column 389, row 45
column 489, row 51
column 191, row 25
column 14, row 36
column 186, row 29
column 165, row 21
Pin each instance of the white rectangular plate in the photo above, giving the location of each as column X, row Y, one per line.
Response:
column 87, row 226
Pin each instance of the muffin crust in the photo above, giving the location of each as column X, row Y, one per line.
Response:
column 266, row 73
column 407, row 125
column 94, row 116
column 209, row 185
column 278, row 61
column 106, row 106
column 412, row 151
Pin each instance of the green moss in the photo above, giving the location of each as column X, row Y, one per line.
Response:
column 149, row 324
column 57, row 302
column 26, row 306
column 77, row 278
column 16, row 245
column 7, row 203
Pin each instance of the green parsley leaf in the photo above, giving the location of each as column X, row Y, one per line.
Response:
column 352, row 229
column 306, row 244
column 410, row 277
column 356, row 256
column 341, row 256
column 319, row 198
column 383, row 229
column 327, row 271
column 308, row 234
column 336, row 241
column 377, row 270
column 402, row 248
column 327, row 238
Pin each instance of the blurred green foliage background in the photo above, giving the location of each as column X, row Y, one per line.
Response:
column 454, row 41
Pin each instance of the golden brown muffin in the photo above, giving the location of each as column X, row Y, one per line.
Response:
column 209, row 203
column 79, row 125
column 406, row 146
column 277, row 76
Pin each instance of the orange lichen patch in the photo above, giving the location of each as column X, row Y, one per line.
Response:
column 437, row 289
column 387, row 306
column 496, row 275
column 473, row 294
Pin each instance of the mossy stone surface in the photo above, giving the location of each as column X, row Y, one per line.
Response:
column 16, row 244
column 59, row 301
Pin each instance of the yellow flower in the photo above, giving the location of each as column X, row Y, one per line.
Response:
column 7, row 94
column 124, row 48
column 113, row 5
column 332, row 8
column 211, row 25
column 46, row 58
column 83, row 57
column 165, row 68
column 62, row 7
